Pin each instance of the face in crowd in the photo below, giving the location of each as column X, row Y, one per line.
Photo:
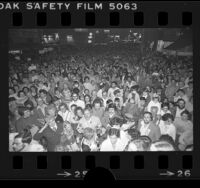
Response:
column 75, row 97
column 181, row 104
column 18, row 144
column 87, row 114
column 147, row 118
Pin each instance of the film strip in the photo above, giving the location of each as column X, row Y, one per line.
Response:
column 92, row 15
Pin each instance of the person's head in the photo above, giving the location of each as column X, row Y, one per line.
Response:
column 104, row 94
column 162, row 146
column 63, row 107
column 73, row 108
column 114, row 134
column 165, row 107
column 86, row 92
column 88, row 133
column 154, row 110
column 155, row 98
column 24, row 137
column 113, row 84
column 40, row 102
column 87, row 99
column 147, row 117
column 117, row 93
column 94, row 94
column 87, row 113
column 181, row 103
column 51, row 110
column 181, row 92
column 111, row 109
column 24, row 111
column 12, row 90
column 74, row 96
column 97, row 104
column 117, row 101
column 21, row 94
column 129, row 79
column 79, row 112
column 185, row 115
column 168, row 118
column 67, row 128
column 43, row 93
column 142, row 101
column 181, row 84
column 86, row 79
column 56, row 91
column 142, row 143
column 76, row 84
column 25, row 90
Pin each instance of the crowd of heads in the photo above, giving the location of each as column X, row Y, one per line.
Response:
column 101, row 99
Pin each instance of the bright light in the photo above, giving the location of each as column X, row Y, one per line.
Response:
column 89, row 41
column 90, row 33
column 134, row 34
column 97, row 31
column 106, row 31
column 90, row 36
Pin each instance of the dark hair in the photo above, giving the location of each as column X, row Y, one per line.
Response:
column 25, row 88
column 114, row 131
column 181, row 100
column 181, row 90
column 27, row 103
column 76, row 90
column 21, row 91
column 142, row 99
column 167, row 116
column 26, row 136
column 22, row 109
column 186, row 112
column 87, row 96
column 109, row 101
column 117, row 99
column 168, row 139
column 112, row 105
column 165, row 104
column 97, row 100
column 43, row 91
column 88, row 106
column 56, row 89
column 78, row 108
column 149, row 114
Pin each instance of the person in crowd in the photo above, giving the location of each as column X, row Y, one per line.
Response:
column 88, row 142
column 180, row 107
column 64, row 112
column 89, row 120
column 76, row 101
column 27, row 120
column 113, row 141
column 87, row 99
column 52, row 129
column 23, row 142
column 184, row 129
column 97, row 109
column 166, row 126
column 154, row 103
column 165, row 109
column 147, row 128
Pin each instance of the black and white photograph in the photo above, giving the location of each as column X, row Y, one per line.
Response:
column 100, row 90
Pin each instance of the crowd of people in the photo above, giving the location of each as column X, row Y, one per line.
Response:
column 100, row 99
